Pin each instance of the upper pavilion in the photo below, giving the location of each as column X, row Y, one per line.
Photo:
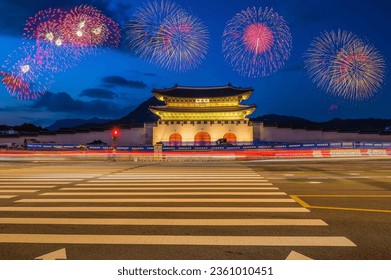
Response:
column 203, row 103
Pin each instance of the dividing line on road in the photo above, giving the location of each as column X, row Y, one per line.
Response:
column 18, row 191
column 94, row 188
column 159, row 193
column 179, row 183
column 166, row 200
column 158, row 209
column 184, row 180
column 331, row 241
column 39, row 180
column 165, row 222
column 26, row 186
column 37, row 183
column 7, row 196
column 308, row 206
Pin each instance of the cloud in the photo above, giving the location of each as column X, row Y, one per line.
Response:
column 64, row 103
column 143, row 73
column 98, row 93
column 59, row 102
column 111, row 81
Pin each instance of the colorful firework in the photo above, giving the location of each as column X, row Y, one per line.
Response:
column 163, row 33
column 342, row 64
column 85, row 26
column 142, row 31
column 23, row 77
column 182, row 43
column 257, row 42
column 46, row 26
column 53, row 52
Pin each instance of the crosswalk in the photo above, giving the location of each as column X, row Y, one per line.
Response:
column 161, row 204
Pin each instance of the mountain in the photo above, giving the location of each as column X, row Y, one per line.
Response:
column 72, row 123
column 142, row 114
column 280, row 120
column 369, row 124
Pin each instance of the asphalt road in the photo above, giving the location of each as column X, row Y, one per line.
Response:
column 318, row 209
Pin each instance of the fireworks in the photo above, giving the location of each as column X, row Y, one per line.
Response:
column 85, row 26
column 342, row 64
column 23, row 77
column 183, row 43
column 62, row 38
column 164, row 33
column 47, row 26
column 256, row 42
column 52, row 52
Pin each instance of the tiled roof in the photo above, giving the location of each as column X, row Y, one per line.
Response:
column 203, row 109
column 202, row 92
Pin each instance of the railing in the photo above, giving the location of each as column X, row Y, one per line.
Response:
column 246, row 146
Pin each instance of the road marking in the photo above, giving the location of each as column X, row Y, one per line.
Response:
column 185, row 180
column 114, row 200
column 18, row 191
column 37, row 183
column 39, row 179
column 165, row 222
column 159, row 193
column 157, row 209
column 313, row 182
column 7, row 196
column 164, row 188
column 332, row 241
column 306, row 205
column 117, row 183
column 346, row 195
column 56, row 255
column 297, row 256
column 301, row 202
column 26, row 186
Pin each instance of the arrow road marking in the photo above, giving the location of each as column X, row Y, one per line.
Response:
column 297, row 256
column 55, row 255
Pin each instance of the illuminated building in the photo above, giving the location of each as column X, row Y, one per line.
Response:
column 202, row 115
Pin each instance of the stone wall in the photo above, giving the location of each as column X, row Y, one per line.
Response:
column 132, row 136
column 278, row 134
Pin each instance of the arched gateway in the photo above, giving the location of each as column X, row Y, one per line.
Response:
column 175, row 139
column 202, row 115
column 230, row 137
column 202, row 139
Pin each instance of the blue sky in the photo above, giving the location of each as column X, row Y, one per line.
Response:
column 108, row 85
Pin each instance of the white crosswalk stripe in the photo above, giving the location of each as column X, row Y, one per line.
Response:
column 158, row 191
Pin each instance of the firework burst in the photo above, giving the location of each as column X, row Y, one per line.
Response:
column 165, row 34
column 143, row 29
column 23, row 77
column 53, row 52
column 46, row 26
column 257, row 42
column 342, row 64
column 85, row 26
column 182, row 43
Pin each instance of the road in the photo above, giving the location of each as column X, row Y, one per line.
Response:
column 317, row 209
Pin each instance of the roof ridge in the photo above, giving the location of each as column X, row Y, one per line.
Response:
column 204, row 87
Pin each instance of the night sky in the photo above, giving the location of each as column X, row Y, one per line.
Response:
column 111, row 83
